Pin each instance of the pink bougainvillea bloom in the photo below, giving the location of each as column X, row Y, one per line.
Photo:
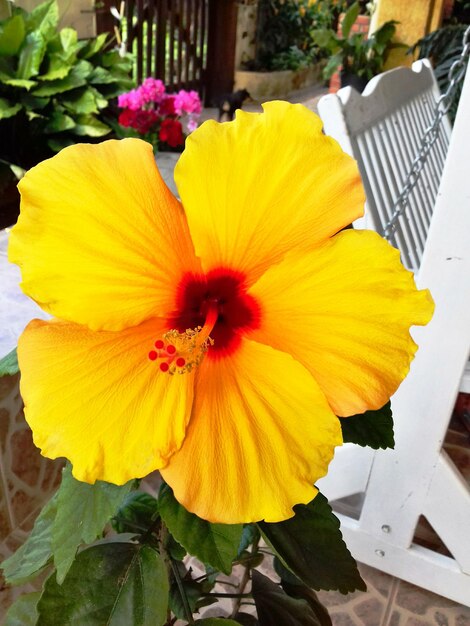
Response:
column 187, row 102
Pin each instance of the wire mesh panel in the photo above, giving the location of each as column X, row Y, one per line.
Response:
column 169, row 39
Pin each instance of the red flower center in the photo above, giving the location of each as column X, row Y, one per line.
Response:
column 237, row 312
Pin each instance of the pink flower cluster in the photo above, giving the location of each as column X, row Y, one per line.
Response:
column 151, row 111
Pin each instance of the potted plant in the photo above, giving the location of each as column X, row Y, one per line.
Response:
column 359, row 58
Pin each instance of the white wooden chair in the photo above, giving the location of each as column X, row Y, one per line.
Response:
column 382, row 129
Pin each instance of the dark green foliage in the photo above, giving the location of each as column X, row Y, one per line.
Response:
column 443, row 47
column 284, row 40
column 276, row 608
column 372, row 428
column 310, row 544
column 123, row 583
column 216, row 544
column 356, row 54
column 54, row 89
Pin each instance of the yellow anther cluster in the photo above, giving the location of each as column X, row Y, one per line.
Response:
column 189, row 345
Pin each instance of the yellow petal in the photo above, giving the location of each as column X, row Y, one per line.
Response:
column 261, row 433
column 96, row 399
column 101, row 240
column 344, row 311
column 264, row 184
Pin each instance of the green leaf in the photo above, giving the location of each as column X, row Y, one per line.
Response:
column 31, row 102
column 310, row 544
column 12, row 32
column 44, row 19
column 249, row 534
column 31, row 56
column 216, row 621
column 93, row 46
column 75, row 78
column 58, row 122
column 372, row 428
column 276, row 608
column 81, row 101
column 349, row 18
column 245, row 619
column 56, row 144
column 24, row 611
column 82, row 513
column 100, row 76
column 17, row 82
column 137, row 512
column 112, row 583
column 9, row 363
column 57, row 68
column 192, row 591
column 69, row 39
column 301, row 592
column 90, row 126
column 34, row 554
column 7, row 109
column 216, row 544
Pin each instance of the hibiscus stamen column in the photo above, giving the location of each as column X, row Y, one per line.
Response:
column 180, row 352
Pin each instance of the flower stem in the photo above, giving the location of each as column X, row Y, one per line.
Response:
column 244, row 581
column 184, row 598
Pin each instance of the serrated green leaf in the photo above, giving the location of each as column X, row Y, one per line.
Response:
column 57, row 68
column 31, row 56
column 81, row 101
column 34, row 554
column 43, row 19
column 90, row 126
column 123, row 584
column 93, row 46
column 192, row 592
column 23, row 612
column 136, row 512
column 12, row 32
column 310, row 544
column 18, row 82
column 276, row 608
column 83, row 510
column 8, row 109
column 216, row 544
column 101, row 76
column 58, row 122
column 372, row 428
column 75, row 78
column 31, row 102
column 301, row 592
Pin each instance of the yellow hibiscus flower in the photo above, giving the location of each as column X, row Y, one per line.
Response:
column 214, row 339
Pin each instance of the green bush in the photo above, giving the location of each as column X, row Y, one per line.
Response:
column 54, row 89
column 284, row 28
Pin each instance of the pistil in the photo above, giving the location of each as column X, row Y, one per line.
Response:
column 178, row 353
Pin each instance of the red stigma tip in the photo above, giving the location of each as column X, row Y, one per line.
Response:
column 164, row 367
column 180, row 362
column 171, row 349
column 159, row 344
column 152, row 355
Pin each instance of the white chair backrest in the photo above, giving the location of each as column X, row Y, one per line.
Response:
column 383, row 129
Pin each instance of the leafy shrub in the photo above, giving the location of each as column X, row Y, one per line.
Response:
column 54, row 89
column 284, row 32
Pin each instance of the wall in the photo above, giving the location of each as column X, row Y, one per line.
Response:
column 78, row 14
column 417, row 18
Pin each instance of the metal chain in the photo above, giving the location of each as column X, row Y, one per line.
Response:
column 443, row 104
